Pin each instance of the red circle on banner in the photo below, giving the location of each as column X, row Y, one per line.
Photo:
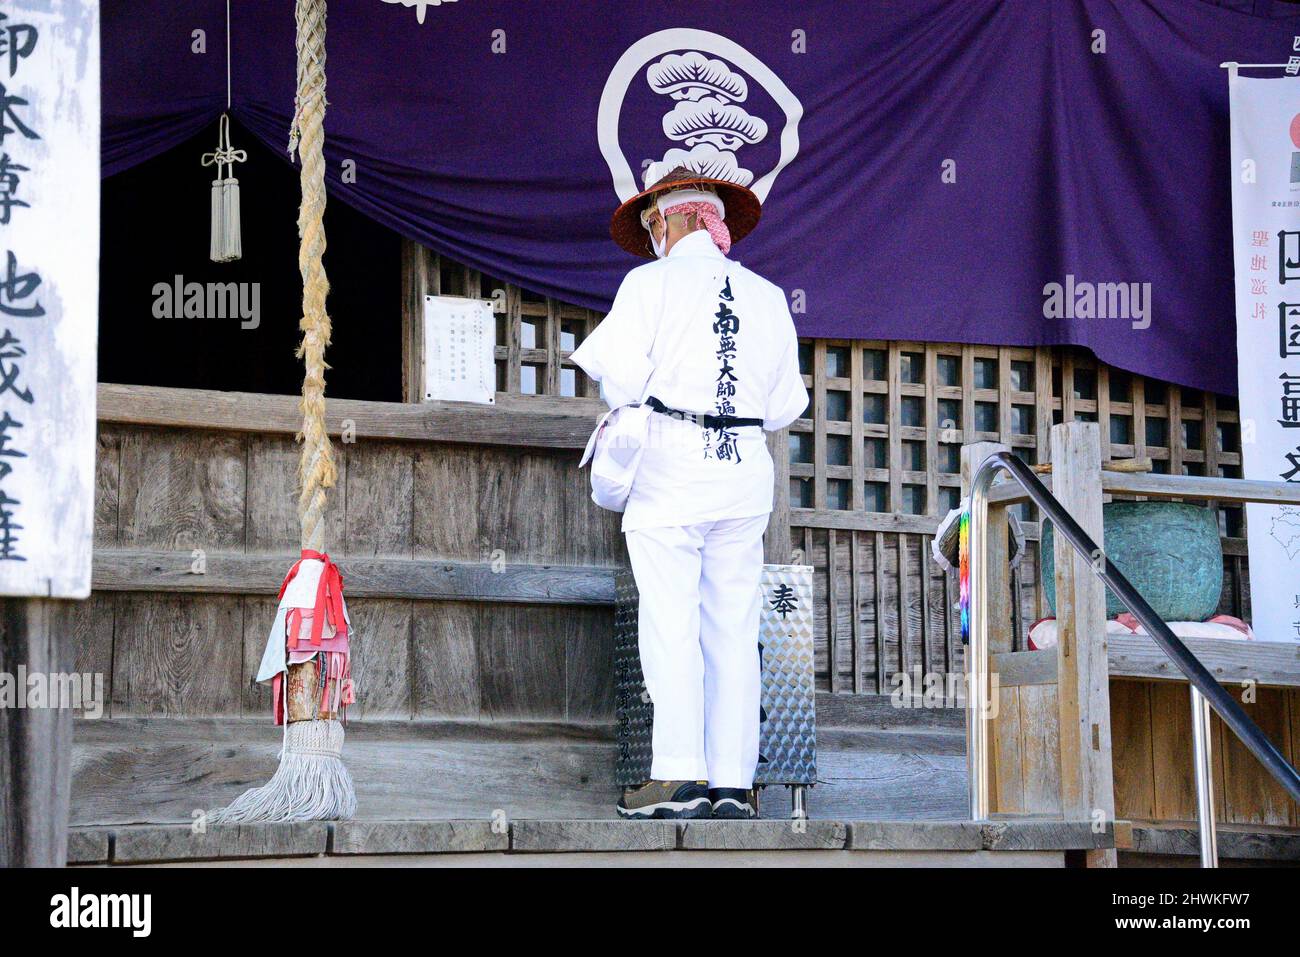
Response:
column 1295, row 130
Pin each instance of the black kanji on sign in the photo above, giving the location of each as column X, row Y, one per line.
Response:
column 8, row 530
column 1288, row 329
column 11, row 349
column 1293, row 459
column 15, row 287
column 6, row 452
column 9, row 186
column 1288, row 256
column 17, row 41
column 8, row 115
column 1290, row 401
column 784, row 600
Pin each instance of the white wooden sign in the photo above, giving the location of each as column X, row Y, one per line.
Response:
column 49, row 293
column 459, row 349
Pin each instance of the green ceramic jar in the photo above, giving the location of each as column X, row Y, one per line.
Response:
column 1170, row 551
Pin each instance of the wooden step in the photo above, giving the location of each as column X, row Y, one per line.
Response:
column 163, row 770
column 502, row 842
column 1177, row 843
column 878, row 760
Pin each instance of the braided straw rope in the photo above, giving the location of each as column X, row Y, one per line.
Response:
column 311, row 782
column 316, row 468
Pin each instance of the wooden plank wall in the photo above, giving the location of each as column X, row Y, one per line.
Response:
column 902, row 622
column 1152, row 739
column 1151, row 742
column 1026, row 759
column 178, row 489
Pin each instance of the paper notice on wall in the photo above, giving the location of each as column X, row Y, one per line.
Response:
column 49, row 294
column 459, row 349
column 1266, row 246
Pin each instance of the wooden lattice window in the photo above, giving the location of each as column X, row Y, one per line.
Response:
column 887, row 420
column 535, row 335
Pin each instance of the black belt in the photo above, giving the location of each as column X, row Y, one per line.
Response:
column 706, row 420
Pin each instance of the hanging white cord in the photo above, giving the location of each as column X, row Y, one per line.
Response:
column 226, row 244
column 225, row 154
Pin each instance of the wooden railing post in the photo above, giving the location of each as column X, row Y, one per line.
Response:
column 35, row 742
column 1087, row 786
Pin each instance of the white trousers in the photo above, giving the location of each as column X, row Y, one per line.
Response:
column 699, row 594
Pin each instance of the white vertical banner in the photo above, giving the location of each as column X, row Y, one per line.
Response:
column 49, row 293
column 1266, row 245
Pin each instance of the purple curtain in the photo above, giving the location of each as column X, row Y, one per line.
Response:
column 928, row 166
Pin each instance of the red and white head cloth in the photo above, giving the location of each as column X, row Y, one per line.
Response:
column 311, row 622
column 709, row 208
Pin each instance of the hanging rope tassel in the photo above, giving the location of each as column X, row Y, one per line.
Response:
column 312, row 782
column 225, row 246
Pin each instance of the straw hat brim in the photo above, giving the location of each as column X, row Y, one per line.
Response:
column 743, row 210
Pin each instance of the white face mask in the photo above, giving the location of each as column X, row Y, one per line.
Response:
column 655, row 244
column 658, row 244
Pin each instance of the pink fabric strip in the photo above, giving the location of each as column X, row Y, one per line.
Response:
column 718, row 231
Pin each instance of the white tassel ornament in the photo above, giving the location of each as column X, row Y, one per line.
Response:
column 311, row 783
column 226, row 246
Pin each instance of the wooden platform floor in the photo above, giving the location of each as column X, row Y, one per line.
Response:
column 875, row 762
column 891, row 792
column 501, row 842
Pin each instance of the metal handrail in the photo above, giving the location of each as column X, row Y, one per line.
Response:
column 1204, row 687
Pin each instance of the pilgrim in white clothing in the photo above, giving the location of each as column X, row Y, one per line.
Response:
column 711, row 346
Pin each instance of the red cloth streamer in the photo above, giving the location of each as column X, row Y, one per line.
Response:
column 333, row 662
column 277, row 693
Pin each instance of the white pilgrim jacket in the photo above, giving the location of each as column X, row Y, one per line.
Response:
column 702, row 334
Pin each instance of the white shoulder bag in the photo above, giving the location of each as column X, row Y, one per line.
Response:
column 614, row 450
column 617, row 444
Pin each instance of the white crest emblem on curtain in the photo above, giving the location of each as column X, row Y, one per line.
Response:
column 705, row 81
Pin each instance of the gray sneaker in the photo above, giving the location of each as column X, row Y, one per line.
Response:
column 666, row 799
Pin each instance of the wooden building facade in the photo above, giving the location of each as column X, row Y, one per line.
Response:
column 480, row 575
